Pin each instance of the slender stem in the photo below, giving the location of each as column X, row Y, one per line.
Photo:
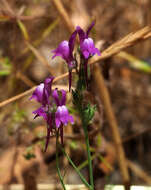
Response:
column 85, row 163
column 57, row 163
column 88, row 154
column 76, row 169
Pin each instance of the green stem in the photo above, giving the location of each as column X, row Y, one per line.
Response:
column 85, row 163
column 57, row 163
column 88, row 154
column 76, row 169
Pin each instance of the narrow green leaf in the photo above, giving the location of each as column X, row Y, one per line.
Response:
column 23, row 30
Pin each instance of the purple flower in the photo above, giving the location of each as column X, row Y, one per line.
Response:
column 65, row 50
column 38, row 93
column 42, row 92
column 59, row 100
column 87, row 46
column 88, row 49
column 41, row 112
column 62, row 115
column 53, row 109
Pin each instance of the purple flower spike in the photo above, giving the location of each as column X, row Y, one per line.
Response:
column 90, row 28
column 62, row 116
column 65, row 50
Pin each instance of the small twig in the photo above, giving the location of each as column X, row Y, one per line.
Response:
column 44, row 35
column 25, row 79
column 17, row 16
column 8, row 7
column 127, row 41
column 14, row 98
column 21, row 95
column 61, row 10
column 40, row 57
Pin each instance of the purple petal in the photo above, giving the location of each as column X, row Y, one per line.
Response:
column 57, row 121
column 90, row 28
column 88, row 48
column 38, row 93
column 62, row 116
column 62, row 50
column 86, row 54
column 57, row 118
column 72, row 42
column 97, row 51
column 47, row 89
column 56, row 97
column 40, row 112
column 81, row 33
column 59, row 100
column 48, row 81
column 63, row 98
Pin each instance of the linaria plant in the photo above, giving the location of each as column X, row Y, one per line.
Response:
column 53, row 108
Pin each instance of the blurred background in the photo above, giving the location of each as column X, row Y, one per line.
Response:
column 29, row 31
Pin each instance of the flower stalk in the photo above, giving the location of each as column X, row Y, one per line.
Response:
column 76, row 169
column 89, row 155
column 57, row 160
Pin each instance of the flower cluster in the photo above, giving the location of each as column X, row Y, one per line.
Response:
column 53, row 108
column 87, row 49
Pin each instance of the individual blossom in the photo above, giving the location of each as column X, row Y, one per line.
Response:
column 62, row 116
column 65, row 50
column 53, row 109
column 42, row 92
column 87, row 46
